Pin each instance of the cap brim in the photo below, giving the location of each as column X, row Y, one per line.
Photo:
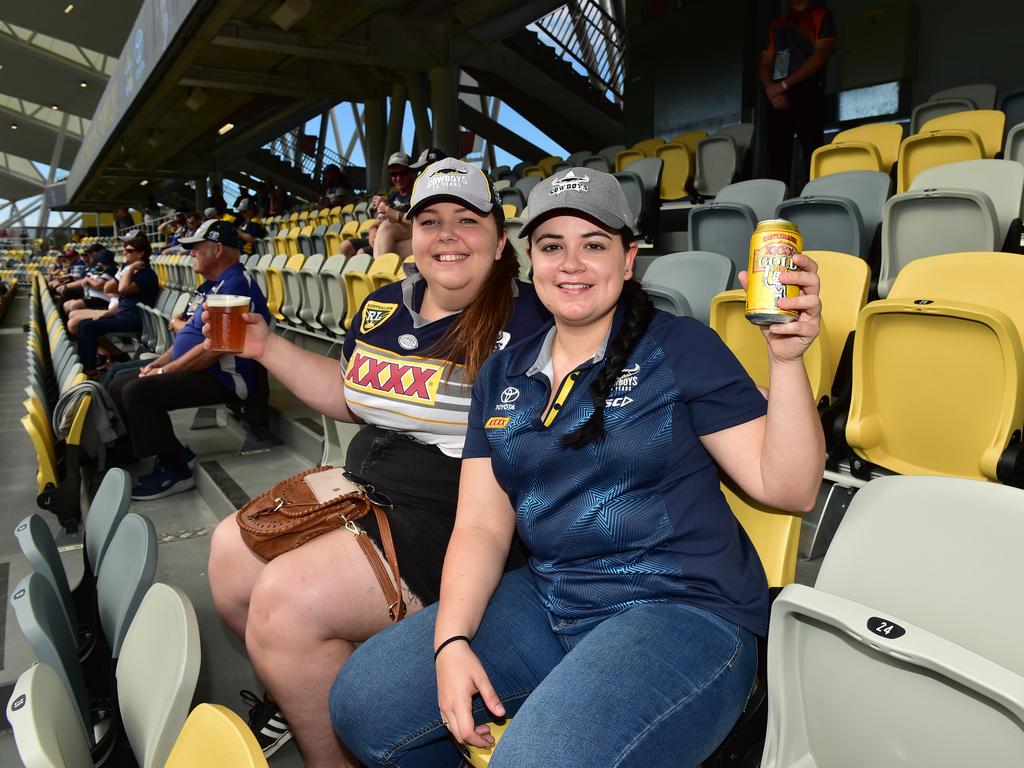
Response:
column 615, row 225
column 449, row 199
column 190, row 240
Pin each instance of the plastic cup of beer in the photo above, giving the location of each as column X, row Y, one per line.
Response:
column 227, row 328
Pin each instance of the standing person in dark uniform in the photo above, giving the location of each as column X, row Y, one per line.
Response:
column 793, row 74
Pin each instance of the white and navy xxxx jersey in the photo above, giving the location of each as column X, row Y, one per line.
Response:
column 391, row 380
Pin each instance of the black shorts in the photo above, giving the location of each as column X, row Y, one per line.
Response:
column 423, row 483
column 94, row 302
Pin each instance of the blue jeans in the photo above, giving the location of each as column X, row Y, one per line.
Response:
column 658, row 684
column 90, row 331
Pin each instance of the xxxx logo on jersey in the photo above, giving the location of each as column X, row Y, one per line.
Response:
column 376, row 371
column 375, row 313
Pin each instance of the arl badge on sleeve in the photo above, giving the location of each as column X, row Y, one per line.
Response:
column 375, row 313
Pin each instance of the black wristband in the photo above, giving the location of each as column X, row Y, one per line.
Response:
column 447, row 642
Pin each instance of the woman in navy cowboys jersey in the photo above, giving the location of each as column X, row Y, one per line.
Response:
column 410, row 359
column 629, row 639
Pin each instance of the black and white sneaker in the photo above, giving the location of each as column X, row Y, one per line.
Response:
column 267, row 723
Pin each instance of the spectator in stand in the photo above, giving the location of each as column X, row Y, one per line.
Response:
column 792, row 72
column 137, row 284
column 94, row 297
column 186, row 375
column 152, row 210
column 263, row 198
column 243, row 194
column 123, row 219
column 337, row 190
column 395, row 232
column 69, row 284
column 176, row 227
column 249, row 230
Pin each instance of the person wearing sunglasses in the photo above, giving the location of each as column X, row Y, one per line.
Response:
column 629, row 639
column 395, row 233
column 409, row 361
column 136, row 284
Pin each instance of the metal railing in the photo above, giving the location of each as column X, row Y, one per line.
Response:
column 296, row 149
column 585, row 33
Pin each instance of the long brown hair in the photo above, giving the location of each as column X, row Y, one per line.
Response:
column 471, row 338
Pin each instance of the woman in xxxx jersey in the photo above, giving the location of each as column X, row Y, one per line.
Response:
column 409, row 362
column 629, row 639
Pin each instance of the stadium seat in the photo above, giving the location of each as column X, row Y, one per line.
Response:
column 514, row 225
column 126, row 574
column 628, row 156
column 685, row 283
column 213, row 736
column 37, row 544
column 689, row 139
column 317, row 239
column 360, row 283
column 43, row 717
column 725, row 225
column 384, row 270
column 873, row 147
column 332, row 240
column 362, row 211
column 306, row 240
column 598, row 163
column 332, row 286
column 902, row 653
column 719, row 158
column 1014, row 149
column 349, row 230
column 275, row 284
column 633, row 188
column 933, row 108
column 358, row 263
column 534, row 170
column 1012, row 105
column 509, row 210
column 157, row 673
column 927, row 222
column 312, row 298
column 526, row 185
column 292, row 300
column 648, row 146
column 501, row 184
column 930, row 148
column 950, row 332
column 677, row 172
column 988, row 124
column 610, row 153
column 259, row 271
column 839, row 212
column 775, row 534
column 512, row 196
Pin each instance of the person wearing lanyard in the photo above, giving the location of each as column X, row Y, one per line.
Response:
column 629, row 639
column 408, row 364
column 792, row 71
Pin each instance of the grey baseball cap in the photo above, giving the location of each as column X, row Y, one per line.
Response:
column 399, row 158
column 580, row 190
column 452, row 179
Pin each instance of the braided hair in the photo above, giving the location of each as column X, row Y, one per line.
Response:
column 638, row 313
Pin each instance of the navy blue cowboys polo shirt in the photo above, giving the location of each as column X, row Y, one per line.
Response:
column 638, row 517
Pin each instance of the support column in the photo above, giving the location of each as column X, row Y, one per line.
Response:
column 396, row 119
column 58, row 147
column 444, row 96
column 375, row 122
column 418, row 100
column 318, row 166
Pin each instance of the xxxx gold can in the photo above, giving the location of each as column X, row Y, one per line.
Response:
column 772, row 247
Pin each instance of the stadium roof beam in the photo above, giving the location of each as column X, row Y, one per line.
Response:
column 256, row 83
column 495, row 132
column 268, row 40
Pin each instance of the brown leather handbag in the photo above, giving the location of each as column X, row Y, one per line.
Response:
column 289, row 515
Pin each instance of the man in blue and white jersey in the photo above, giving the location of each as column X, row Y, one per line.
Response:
column 186, row 375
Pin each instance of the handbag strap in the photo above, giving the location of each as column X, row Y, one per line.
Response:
column 392, row 591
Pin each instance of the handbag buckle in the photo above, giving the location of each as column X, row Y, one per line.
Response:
column 280, row 503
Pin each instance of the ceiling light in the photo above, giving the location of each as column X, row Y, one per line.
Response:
column 14, row 126
column 144, row 182
column 225, row 128
column 55, row 107
column 84, row 84
column 70, row 8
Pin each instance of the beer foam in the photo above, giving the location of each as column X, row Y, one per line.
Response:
column 226, row 300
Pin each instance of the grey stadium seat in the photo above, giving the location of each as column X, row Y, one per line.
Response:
column 720, row 157
column 725, row 225
column 1014, row 148
column 1012, row 105
column 922, row 113
column 909, row 602
column 982, row 94
column 125, row 576
column 695, row 277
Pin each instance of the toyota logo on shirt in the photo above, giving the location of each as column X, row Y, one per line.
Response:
column 508, row 396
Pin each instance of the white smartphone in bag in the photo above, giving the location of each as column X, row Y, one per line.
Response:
column 329, row 484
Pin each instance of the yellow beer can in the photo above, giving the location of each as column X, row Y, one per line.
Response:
column 772, row 247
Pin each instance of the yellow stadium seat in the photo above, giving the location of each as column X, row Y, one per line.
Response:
column 401, row 269
column 748, row 344
column 384, row 269
column 292, row 241
column 366, row 226
column 213, row 737
column 350, row 229
column 481, row 758
column 873, row 147
column 689, row 139
column 345, row 214
column 928, row 149
column 275, row 284
column 547, row 164
column 677, row 170
column 509, row 210
column 648, row 146
column 987, row 123
column 534, row 170
column 627, row 156
column 303, row 218
column 332, row 241
column 775, row 534
column 844, row 292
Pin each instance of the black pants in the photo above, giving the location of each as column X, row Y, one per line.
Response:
column 806, row 118
column 145, row 405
